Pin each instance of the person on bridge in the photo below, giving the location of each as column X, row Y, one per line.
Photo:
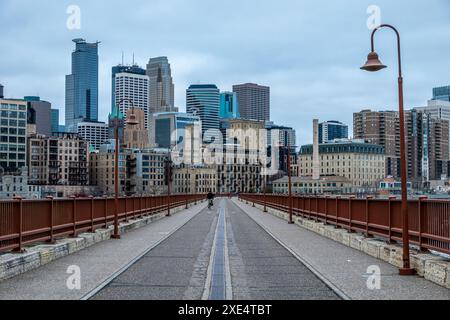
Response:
column 210, row 198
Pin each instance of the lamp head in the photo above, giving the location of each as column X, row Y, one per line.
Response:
column 131, row 120
column 373, row 63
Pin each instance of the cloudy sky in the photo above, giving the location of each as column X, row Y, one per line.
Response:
column 308, row 52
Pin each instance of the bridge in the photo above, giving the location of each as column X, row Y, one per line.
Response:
column 241, row 249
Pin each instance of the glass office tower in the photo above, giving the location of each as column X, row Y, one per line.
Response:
column 441, row 93
column 229, row 108
column 82, row 85
column 203, row 100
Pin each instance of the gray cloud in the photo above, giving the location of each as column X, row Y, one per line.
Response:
column 309, row 52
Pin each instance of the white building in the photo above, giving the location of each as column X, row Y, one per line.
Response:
column 96, row 133
column 16, row 184
column 134, row 87
column 437, row 109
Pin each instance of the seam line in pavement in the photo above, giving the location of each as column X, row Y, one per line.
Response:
column 136, row 259
column 327, row 282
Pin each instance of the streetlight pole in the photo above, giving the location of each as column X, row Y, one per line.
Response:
column 116, row 234
column 169, row 180
column 291, row 221
column 373, row 64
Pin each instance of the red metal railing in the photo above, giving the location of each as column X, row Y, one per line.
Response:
column 429, row 220
column 24, row 222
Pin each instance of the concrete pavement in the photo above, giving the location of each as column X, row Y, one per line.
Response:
column 186, row 265
column 97, row 263
column 343, row 267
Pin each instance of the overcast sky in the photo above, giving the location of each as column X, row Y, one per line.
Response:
column 308, row 52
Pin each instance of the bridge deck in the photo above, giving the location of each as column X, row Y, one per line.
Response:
column 221, row 253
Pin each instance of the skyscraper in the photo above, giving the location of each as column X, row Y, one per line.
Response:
column 331, row 130
column 441, row 93
column 82, row 85
column 253, row 101
column 161, row 87
column 130, row 83
column 381, row 128
column 203, row 100
column 229, row 108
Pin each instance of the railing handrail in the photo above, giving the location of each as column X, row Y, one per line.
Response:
column 429, row 225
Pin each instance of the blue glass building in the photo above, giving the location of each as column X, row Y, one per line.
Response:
column 331, row 130
column 55, row 120
column 441, row 93
column 203, row 100
column 82, row 85
column 229, row 108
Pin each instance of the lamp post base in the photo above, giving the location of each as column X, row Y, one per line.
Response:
column 407, row 272
column 291, row 222
column 115, row 236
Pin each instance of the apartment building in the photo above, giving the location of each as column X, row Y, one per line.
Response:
column 58, row 160
column 194, row 180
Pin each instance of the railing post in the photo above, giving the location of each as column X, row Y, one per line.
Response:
column 326, row 210
column 106, row 212
column 134, row 208
column 52, row 218
column 20, row 248
column 391, row 199
column 74, row 215
column 368, row 198
column 92, row 214
column 186, row 201
column 126, row 209
column 317, row 209
column 350, row 214
column 421, row 215
column 337, row 212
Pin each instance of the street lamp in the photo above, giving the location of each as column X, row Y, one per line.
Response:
column 168, row 173
column 373, row 64
column 291, row 221
column 131, row 121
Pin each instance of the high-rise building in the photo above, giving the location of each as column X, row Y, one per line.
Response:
column 13, row 134
column 438, row 109
column 381, row 128
column 82, row 85
column 131, row 89
column 427, row 142
column 331, row 130
column 55, row 120
column 203, row 100
column 168, row 128
column 1, row 91
column 441, row 93
column 95, row 133
column 229, row 108
column 253, row 101
column 42, row 114
column 162, row 89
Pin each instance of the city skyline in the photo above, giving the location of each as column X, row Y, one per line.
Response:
column 297, row 76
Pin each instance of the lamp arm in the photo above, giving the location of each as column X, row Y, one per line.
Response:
column 398, row 44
